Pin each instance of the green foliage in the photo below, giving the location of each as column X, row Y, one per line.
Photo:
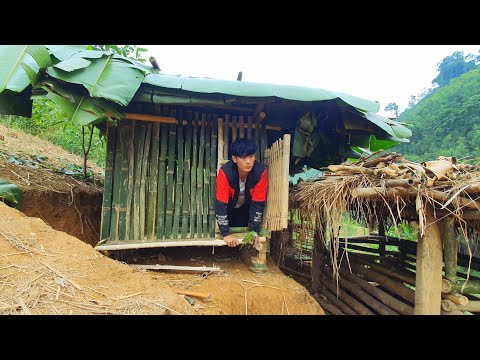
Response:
column 48, row 122
column 392, row 107
column 446, row 122
column 130, row 51
column 452, row 67
column 10, row 194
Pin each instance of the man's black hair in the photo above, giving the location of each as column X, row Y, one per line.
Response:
column 243, row 147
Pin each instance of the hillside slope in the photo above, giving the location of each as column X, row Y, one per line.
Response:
column 446, row 122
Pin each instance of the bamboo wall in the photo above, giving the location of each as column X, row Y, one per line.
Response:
column 160, row 177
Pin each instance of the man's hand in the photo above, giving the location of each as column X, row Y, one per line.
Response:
column 255, row 241
column 231, row 240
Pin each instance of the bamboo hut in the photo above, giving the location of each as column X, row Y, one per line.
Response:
column 163, row 155
column 436, row 272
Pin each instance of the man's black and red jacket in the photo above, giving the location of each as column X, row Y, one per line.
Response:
column 228, row 188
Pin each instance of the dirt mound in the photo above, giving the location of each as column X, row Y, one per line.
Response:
column 47, row 271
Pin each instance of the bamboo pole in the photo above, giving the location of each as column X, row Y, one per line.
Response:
column 131, row 183
column 356, row 305
column 213, row 175
column 108, row 187
column 258, row 129
column 391, row 284
column 331, row 297
column 429, row 268
column 187, row 177
column 317, row 258
column 332, row 309
column 162, row 181
column 221, row 144
column 117, row 184
column 460, row 287
column 241, row 127
column 285, row 182
column 234, row 128
column 200, row 178
column 471, row 306
column 250, row 126
column 140, row 131
column 263, row 144
column 456, row 298
column 178, row 176
column 143, row 180
column 395, row 304
column 153, row 183
column 170, row 181
column 193, row 183
column 382, row 269
column 450, row 248
column 367, row 299
column 125, row 131
column 226, row 142
column 206, row 175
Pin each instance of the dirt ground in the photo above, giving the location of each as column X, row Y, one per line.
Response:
column 48, row 264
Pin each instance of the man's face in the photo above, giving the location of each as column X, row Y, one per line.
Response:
column 244, row 163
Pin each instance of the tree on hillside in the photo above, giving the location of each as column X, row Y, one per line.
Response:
column 392, row 107
column 453, row 66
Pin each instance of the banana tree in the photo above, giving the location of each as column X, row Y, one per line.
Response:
column 90, row 86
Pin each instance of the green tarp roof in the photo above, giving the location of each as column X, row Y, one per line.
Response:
column 252, row 89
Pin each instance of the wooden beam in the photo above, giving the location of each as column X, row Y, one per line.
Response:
column 428, row 289
column 174, row 121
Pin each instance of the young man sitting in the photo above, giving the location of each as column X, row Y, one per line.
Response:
column 241, row 191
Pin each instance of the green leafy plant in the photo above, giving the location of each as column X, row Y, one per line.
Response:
column 10, row 194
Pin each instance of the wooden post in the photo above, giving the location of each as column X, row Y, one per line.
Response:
column 381, row 242
column 450, row 247
column 428, row 293
column 317, row 259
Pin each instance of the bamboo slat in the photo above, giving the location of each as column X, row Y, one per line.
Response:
column 226, row 142
column 241, row 127
column 250, row 124
column 108, row 187
column 143, row 180
column 186, row 176
column 130, row 186
column 153, row 183
column 220, row 144
column 116, row 186
column 170, row 181
column 193, row 183
column 125, row 131
column 234, row 128
column 140, row 130
column 162, row 181
column 206, row 175
column 200, row 178
column 213, row 174
column 179, row 176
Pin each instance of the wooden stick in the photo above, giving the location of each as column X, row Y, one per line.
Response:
column 461, row 287
column 176, row 267
column 138, row 244
column 199, row 294
column 108, row 187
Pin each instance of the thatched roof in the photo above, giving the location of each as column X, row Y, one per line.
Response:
column 386, row 186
